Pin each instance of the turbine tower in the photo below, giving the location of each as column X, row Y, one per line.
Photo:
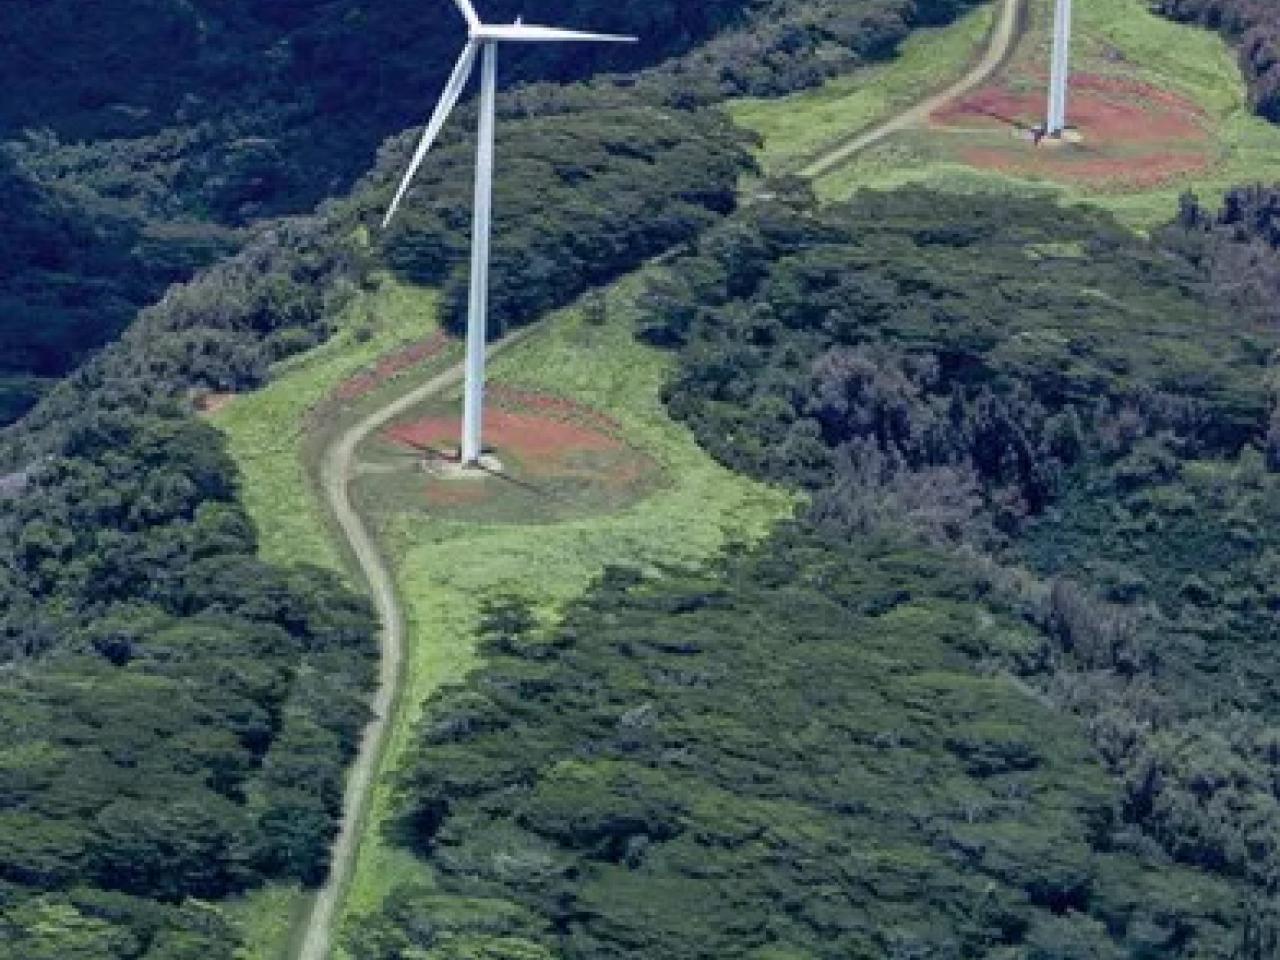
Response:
column 1057, row 118
column 483, row 39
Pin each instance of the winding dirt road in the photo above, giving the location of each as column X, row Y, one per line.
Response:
column 337, row 470
column 998, row 49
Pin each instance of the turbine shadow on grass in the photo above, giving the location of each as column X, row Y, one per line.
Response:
column 448, row 456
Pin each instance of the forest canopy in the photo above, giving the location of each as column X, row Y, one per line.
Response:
column 986, row 697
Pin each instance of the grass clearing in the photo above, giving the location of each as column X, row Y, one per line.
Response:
column 1112, row 38
column 268, row 431
column 273, row 435
column 798, row 127
column 268, row 918
column 446, row 569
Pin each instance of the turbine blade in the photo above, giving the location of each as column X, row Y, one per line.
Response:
column 452, row 90
column 529, row 33
column 468, row 11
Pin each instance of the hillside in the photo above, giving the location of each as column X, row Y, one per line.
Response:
column 184, row 120
column 870, row 574
column 183, row 694
column 1156, row 109
column 1254, row 27
column 827, row 744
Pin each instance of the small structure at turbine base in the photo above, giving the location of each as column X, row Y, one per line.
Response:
column 1059, row 71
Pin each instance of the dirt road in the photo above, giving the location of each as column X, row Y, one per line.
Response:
column 337, row 470
column 1001, row 43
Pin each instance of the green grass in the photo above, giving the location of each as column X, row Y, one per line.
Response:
column 267, row 919
column 268, row 430
column 1111, row 36
column 798, row 127
column 447, row 569
column 272, row 434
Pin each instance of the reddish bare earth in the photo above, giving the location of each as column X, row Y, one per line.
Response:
column 391, row 365
column 1132, row 135
column 210, row 403
column 536, row 440
column 548, row 445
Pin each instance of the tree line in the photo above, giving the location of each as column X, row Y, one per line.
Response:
column 176, row 713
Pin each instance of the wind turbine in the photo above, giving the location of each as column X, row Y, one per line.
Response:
column 1056, row 121
column 485, row 39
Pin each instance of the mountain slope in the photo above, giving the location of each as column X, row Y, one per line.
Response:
column 182, row 114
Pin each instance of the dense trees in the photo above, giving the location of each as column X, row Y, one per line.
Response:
column 75, row 274
column 1041, row 387
column 785, row 756
column 949, row 336
column 169, row 702
column 1040, row 514
column 581, row 197
column 1235, row 249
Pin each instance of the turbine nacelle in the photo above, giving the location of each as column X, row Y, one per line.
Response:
column 527, row 32
column 481, row 34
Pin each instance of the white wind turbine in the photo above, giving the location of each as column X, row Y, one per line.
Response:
column 1056, row 121
column 482, row 38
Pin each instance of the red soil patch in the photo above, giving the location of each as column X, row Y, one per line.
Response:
column 1135, row 173
column 560, row 408
column 1105, row 109
column 559, row 455
column 390, row 365
column 210, row 403
column 531, row 438
column 1134, row 135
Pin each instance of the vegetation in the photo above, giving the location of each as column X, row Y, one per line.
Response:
column 783, row 756
column 447, row 570
column 1254, row 26
column 184, row 119
column 1114, row 39
column 1022, row 431
column 1031, row 596
column 794, row 129
column 177, row 713
column 580, row 199
column 1234, row 248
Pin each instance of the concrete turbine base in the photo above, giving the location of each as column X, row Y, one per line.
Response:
column 451, row 468
column 1067, row 135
